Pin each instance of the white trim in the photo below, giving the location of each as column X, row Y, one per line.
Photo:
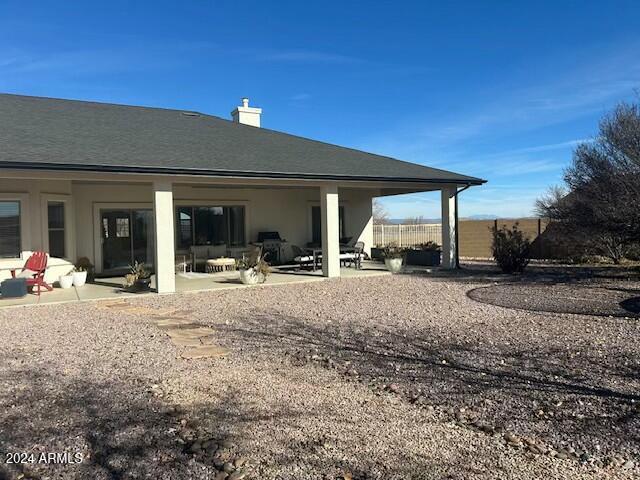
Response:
column 97, row 236
column 25, row 214
column 69, row 223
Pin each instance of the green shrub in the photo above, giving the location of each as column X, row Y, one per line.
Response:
column 511, row 249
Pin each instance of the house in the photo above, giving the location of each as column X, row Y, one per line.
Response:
column 118, row 183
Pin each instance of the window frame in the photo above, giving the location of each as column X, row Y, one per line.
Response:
column 25, row 226
column 69, row 224
column 62, row 229
column 16, row 202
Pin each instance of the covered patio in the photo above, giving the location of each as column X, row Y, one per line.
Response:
column 107, row 288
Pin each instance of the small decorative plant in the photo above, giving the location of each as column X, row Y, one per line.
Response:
column 393, row 251
column 253, row 268
column 511, row 249
column 139, row 276
column 430, row 245
column 393, row 257
column 129, row 280
column 83, row 264
column 79, row 274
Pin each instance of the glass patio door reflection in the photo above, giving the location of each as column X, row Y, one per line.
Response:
column 127, row 237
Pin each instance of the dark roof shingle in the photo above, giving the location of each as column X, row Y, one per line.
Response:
column 71, row 135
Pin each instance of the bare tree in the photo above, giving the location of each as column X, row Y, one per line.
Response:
column 600, row 206
column 380, row 214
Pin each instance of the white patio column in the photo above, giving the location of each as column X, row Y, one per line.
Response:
column 449, row 236
column 164, row 237
column 330, row 231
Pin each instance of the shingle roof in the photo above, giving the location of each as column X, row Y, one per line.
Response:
column 48, row 133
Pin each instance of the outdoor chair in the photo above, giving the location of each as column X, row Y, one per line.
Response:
column 352, row 255
column 302, row 258
column 358, row 250
column 33, row 271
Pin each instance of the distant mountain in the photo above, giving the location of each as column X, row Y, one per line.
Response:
column 480, row 217
column 401, row 221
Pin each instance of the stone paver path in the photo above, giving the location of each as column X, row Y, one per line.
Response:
column 195, row 339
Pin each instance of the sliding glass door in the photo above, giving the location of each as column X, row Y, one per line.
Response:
column 127, row 237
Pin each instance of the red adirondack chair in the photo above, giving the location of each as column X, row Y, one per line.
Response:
column 36, row 263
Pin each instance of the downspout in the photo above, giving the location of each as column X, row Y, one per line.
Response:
column 456, row 226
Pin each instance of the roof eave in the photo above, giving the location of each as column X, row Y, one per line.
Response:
column 229, row 173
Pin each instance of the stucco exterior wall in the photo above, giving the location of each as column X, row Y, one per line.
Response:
column 33, row 196
column 286, row 210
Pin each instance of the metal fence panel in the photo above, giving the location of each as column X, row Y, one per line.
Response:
column 407, row 235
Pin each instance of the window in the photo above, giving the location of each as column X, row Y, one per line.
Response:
column 10, row 242
column 210, row 226
column 316, row 224
column 122, row 227
column 55, row 212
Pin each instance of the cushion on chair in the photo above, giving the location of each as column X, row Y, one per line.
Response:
column 26, row 273
column 304, row 259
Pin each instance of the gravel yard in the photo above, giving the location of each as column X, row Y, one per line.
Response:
column 391, row 377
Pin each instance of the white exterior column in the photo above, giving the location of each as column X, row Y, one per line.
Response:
column 330, row 231
column 449, row 234
column 164, row 237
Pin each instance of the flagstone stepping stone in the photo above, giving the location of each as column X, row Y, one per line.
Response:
column 174, row 323
column 157, row 318
column 190, row 332
column 204, row 351
column 186, row 342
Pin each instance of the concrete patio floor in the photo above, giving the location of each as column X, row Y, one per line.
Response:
column 107, row 288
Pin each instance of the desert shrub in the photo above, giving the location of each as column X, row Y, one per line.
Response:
column 511, row 249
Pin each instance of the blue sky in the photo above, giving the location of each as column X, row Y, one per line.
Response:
column 500, row 90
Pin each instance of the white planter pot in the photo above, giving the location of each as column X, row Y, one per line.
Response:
column 65, row 281
column 79, row 278
column 251, row 277
column 394, row 265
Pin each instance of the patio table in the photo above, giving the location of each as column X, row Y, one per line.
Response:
column 220, row 264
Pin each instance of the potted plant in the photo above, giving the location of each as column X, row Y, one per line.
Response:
column 66, row 281
column 84, row 264
column 139, row 277
column 79, row 275
column 428, row 254
column 393, row 258
column 253, row 269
